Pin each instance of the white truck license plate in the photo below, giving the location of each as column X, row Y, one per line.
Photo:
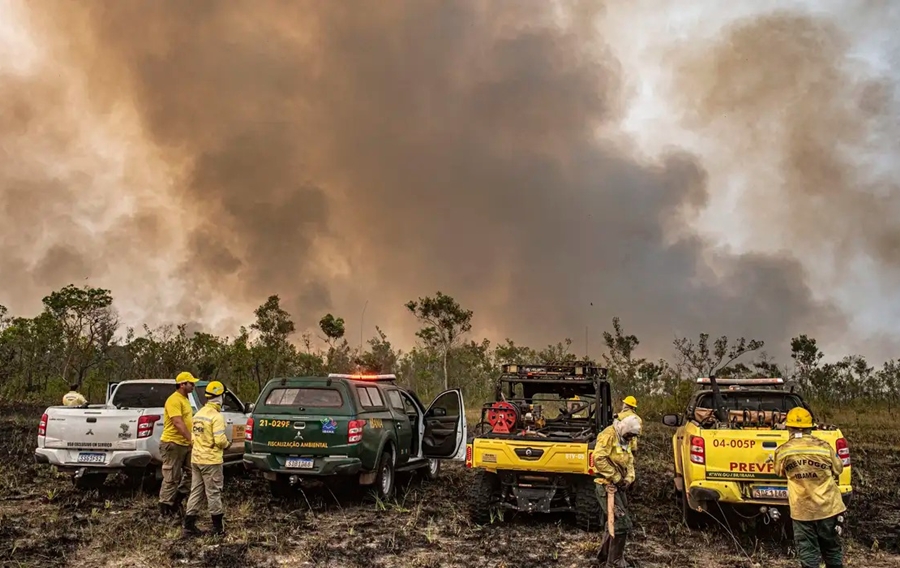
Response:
column 85, row 457
column 770, row 492
column 299, row 463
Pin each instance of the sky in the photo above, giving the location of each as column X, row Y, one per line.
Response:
column 690, row 167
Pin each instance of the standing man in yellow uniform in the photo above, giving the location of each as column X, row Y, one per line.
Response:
column 629, row 406
column 614, row 468
column 73, row 397
column 812, row 469
column 207, row 477
column 175, row 446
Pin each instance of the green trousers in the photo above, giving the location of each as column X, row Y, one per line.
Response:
column 623, row 523
column 176, row 471
column 818, row 539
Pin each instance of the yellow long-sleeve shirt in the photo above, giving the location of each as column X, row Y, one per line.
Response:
column 209, row 439
column 811, row 467
column 613, row 462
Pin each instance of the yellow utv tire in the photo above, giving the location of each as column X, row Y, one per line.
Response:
column 484, row 493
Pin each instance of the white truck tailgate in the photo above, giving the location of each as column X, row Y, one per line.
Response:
column 100, row 429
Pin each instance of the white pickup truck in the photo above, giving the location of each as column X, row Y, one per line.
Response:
column 123, row 434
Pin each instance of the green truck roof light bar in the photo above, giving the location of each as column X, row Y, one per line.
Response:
column 363, row 377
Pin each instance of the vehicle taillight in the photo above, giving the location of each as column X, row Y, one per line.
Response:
column 843, row 451
column 248, row 430
column 354, row 431
column 590, row 463
column 42, row 427
column 698, row 450
column 145, row 425
column 468, row 455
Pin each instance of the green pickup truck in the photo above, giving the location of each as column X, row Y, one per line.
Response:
column 361, row 426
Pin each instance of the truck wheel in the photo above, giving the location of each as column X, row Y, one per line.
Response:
column 89, row 481
column 384, row 481
column 692, row 519
column 588, row 513
column 433, row 470
column 142, row 480
column 484, row 493
column 279, row 488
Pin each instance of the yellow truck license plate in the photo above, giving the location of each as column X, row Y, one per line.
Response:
column 761, row 492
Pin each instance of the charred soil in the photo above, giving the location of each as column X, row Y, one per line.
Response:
column 46, row 522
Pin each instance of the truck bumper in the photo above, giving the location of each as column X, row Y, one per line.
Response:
column 323, row 466
column 701, row 493
column 68, row 459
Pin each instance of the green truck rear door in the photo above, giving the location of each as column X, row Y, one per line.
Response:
column 305, row 420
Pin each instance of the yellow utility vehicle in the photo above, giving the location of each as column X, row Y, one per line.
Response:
column 532, row 448
column 724, row 448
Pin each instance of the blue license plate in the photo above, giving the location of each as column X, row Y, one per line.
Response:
column 299, row 463
column 85, row 457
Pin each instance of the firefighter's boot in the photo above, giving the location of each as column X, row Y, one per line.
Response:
column 218, row 522
column 616, row 558
column 190, row 527
column 165, row 510
column 178, row 507
column 603, row 553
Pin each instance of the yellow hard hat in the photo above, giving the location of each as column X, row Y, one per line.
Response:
column 799, row 417
column 185, row 377
column 630, row 401
column 214, row 389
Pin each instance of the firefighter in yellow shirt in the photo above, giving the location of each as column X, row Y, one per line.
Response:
column 73, row 397
column 629, row 405
column 207, row 477
column 614, row 468
column 812, row 468
column 175, row 446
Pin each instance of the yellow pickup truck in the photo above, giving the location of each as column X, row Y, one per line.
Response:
column 532, row 449
column 724, row 451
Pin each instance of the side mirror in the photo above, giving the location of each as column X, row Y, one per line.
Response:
column 438, row 412
column 673, row 420
column 248, row 408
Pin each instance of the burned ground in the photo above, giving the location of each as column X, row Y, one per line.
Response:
column 45, row 522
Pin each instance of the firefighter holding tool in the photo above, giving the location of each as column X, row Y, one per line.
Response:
column 614, row 468
column 207, row 477
column 817, row 510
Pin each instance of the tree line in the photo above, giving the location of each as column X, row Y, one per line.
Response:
column 77, row 339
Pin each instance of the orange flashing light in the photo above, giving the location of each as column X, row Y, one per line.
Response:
column 360, row 377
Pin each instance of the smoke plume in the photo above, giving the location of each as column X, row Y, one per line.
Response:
column 198, row 156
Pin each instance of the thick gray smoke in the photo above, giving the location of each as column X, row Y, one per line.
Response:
column 338, row 152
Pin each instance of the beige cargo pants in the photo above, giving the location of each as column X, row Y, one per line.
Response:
column 206, row 481
column 176, row 471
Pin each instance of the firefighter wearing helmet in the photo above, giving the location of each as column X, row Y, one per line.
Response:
column 175, row 446
column 614, row 472
column 207, row 476
column 812, row 468
column 629, row 405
